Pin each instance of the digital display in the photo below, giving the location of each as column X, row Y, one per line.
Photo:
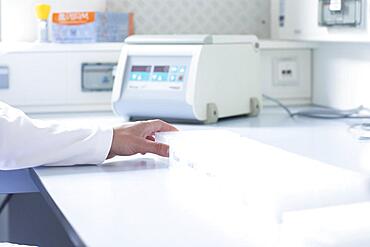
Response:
column 158, row 73
column 161, row 69
column 141, row 69
column 162, row 73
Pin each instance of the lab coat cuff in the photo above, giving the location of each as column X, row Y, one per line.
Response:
column 104, row 142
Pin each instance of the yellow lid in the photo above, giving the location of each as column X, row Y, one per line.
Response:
column 43, row 11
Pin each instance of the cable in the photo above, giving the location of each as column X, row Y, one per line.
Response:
column 360, row 130
column 5, row 202
column 324, row 113
column 279, row 103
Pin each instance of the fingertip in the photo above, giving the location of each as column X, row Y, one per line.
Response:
column 167, row 127
column 155, row 148
column 168, row 152
column 162, row 149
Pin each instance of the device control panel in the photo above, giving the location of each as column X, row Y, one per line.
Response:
column 157, row 73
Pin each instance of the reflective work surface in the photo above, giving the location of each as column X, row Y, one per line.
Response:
column 308, row 187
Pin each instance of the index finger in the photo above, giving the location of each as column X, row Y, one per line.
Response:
column 153, row 126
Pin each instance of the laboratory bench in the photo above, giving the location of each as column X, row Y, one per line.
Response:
column 146, row 201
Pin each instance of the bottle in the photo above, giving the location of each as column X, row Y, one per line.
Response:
column 42, row 14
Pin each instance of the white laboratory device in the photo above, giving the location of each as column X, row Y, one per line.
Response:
column 48, row 78
column 191, row 78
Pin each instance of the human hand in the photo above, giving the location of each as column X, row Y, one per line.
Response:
column 138, row 137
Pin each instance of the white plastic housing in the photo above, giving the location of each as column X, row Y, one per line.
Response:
column 222, row 71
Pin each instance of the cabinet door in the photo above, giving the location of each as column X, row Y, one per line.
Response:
column 35, row 79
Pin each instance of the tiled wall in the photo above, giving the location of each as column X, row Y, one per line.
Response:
column 197, row 16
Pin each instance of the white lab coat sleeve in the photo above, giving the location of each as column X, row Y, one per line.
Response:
column 26, row 142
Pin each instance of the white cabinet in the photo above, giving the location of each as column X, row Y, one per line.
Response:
column 48, row 77
column 35, row 78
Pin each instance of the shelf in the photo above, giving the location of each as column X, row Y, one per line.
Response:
column 56, row 47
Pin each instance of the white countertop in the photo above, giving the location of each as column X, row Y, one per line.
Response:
column 329, row 141
column 142, row 201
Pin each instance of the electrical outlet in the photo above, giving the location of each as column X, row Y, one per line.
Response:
column 286, row 72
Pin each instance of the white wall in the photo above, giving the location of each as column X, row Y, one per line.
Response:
column 152, row 16
column 342, row 75
column 197, row 16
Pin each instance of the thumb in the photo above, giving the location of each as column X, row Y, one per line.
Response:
column 155, row 148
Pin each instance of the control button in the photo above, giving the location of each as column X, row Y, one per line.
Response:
column 182, row 69
column 134, row 76
column 174, row 69
column 160, row 78
column 154, row 77
column 180, row 78
column 139, row 78
column 172, row 78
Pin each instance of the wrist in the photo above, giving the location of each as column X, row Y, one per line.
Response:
column 111, row 152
